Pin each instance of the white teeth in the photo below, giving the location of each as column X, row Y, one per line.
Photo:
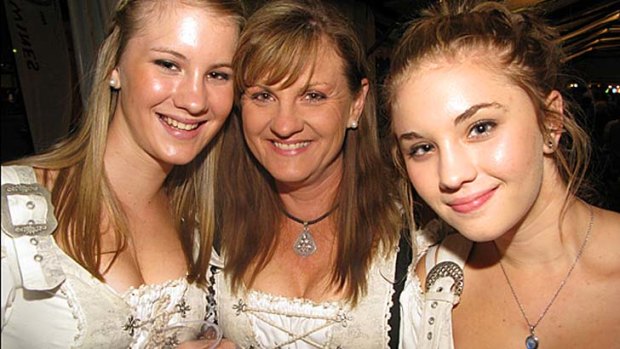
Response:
column 179, row 125
column 293, row 146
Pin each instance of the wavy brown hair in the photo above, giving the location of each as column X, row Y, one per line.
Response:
column 278, row 44
column 80, row 189
column 520, row 46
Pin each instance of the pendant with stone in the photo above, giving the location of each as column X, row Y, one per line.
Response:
column 305, row 245
column 531, row 342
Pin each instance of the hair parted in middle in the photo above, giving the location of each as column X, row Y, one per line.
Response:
column 281, row 40
column 81, row 191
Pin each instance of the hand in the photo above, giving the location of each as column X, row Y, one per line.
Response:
column 207, row 344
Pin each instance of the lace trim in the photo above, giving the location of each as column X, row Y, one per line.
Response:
column 78, row 315
column 211, row 311
column 340, row 316
column 161, row 331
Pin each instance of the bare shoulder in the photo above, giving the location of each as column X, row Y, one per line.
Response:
column 605, row 242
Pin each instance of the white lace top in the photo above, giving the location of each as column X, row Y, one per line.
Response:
column 50, row 301
column 256, row 319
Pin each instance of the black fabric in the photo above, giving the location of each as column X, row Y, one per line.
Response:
column 403, row 260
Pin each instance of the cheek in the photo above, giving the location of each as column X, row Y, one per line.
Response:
column 518, row 155
column 423, row 178
column 221, row 100
column 250, row 122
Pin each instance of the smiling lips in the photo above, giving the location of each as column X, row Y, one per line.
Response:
column 290, row 146
column 179, row 125
column 471, row 203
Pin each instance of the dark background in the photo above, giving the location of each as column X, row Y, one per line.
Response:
column 590, row 33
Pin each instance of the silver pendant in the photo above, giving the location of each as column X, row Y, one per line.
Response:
column 531, row 342
column 305, row 245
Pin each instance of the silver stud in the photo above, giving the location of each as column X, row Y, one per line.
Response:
column 30, row 205
column 34, row 241
column 434, row 305
column 38, row 257
column 431, row 320
column 429, row 336
column 439, row 289
column 31, row 222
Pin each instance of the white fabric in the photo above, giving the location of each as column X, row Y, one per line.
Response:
column 432, row 322
column 73, row 309
column 260, row 320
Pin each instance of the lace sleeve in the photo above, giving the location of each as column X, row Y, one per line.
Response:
column 10, row 279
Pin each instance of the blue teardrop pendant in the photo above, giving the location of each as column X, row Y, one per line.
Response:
column 531, row 342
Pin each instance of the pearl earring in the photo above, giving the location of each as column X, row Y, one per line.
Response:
column 113, row 84
column 353, row 125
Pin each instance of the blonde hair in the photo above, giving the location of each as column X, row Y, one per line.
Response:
column 81, row 191
column 518, row 45
column 280, row 41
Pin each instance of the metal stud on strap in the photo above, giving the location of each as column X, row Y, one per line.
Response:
column 446, row 269
column 30, row 229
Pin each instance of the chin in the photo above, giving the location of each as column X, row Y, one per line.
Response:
column 482, row 232
column 178, row 159
column 288, row 177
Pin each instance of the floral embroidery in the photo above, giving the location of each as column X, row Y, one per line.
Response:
column 183, row 308
column 131, row 325
column 171, row 342
column 240, row 307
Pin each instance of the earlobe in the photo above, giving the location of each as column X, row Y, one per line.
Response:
column 357, row 107
column 554, row 121
column 115, row 80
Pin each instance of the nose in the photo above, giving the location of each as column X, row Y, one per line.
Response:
column 456, row 167
column 287, row 120
column 191, row 94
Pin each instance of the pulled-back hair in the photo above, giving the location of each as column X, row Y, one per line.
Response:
column 520, row 46
column 81, row 191
column 280, row 41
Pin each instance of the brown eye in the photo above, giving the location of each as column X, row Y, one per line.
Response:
column 481, row 128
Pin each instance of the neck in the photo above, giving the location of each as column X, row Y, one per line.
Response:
column 309, row 202
column 546, row 238
column 136, row 179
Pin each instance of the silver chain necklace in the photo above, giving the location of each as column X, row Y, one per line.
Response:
column 532, row 341
column 304, row 245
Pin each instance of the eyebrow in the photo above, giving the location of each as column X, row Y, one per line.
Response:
column 471, row 111
column 182, row 56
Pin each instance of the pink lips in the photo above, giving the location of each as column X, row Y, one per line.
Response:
column 471, row 203
column 179, row 133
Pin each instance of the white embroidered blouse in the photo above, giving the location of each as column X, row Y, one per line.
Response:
column 254, row 319
column 50, row 301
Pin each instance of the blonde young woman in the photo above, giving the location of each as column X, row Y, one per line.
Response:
column 489, row 143
column 106, row 237
column 309, row 227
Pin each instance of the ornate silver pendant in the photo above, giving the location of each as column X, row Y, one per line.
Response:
column 531, row 342
column 305, row 245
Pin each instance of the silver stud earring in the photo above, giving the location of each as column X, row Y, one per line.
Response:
column 353, row 125
column 550, row 143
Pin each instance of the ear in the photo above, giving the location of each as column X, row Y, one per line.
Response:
column 358, row 105
column 554, row 121
column 115, row 79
